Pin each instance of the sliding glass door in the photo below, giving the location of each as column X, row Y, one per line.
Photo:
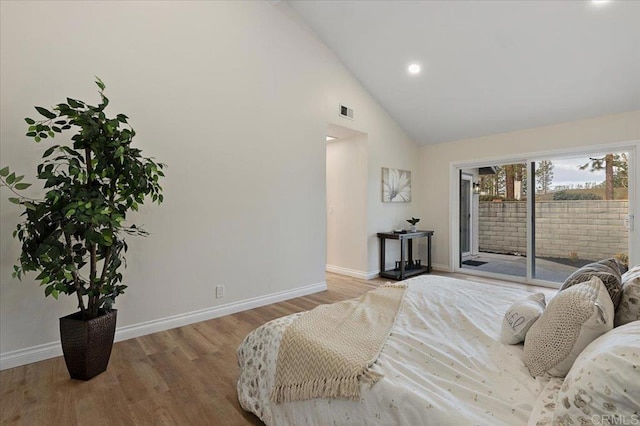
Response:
column 542, row 219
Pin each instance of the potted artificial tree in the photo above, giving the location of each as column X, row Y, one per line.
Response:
column 74, row 236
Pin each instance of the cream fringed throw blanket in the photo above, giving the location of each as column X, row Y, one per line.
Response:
column 328, row 350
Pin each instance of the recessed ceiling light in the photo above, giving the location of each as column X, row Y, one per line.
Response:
column 414, row 69
column 599, row 2
column 330, row 138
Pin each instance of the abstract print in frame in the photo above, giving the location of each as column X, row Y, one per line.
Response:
column 396, row 185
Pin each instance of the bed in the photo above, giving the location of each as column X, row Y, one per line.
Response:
column 443, row 363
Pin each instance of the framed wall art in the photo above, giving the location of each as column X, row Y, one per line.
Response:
column 396, row 185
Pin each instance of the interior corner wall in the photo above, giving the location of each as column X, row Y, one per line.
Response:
column 401, row 154
column 347, row 205
column 436, row 162
column 388, row 146
column 235, row 97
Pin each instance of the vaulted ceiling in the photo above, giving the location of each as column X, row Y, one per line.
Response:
column 487, row 66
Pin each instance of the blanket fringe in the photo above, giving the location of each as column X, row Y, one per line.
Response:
column 389, row 284
column 340, row 371
column 344, row 387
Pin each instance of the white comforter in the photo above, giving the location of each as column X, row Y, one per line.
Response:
column 443, row 365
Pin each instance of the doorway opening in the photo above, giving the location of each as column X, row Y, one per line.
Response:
column 346, row 186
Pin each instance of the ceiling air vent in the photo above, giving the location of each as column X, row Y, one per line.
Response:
column 346, row 112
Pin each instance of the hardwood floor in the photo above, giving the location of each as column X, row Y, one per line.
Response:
column 183, row 376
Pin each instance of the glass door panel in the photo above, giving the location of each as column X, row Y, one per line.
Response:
column 580, row 211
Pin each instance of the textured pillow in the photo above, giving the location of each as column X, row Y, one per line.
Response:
column 629, row 308
column 572, row 320
column 603, row 386
column 608, row 270
column 520, row 317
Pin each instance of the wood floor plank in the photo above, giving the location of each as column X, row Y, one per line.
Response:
column 135, row 372
column 183, row 376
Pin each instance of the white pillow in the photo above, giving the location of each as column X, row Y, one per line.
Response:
column 573, row 319
column 629, row 308
column 603, row 386
column 520, row 317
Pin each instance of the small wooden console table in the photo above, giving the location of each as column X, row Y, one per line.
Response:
column 407, row 268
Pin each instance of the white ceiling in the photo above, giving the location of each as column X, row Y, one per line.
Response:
column 487, row 66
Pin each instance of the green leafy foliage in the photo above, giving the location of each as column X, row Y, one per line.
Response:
column 73, row 238
column 616, row 167
column 544, row 176
column 566, row 196
column 413, row 220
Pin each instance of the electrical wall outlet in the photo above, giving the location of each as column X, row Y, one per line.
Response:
column 219, row 291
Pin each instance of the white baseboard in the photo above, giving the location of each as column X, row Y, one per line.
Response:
column 348, row 272
column 141, row 329
column 53, row 349
column 441, row 268
column 28, row 355
column 435, row 267
column 374, row 274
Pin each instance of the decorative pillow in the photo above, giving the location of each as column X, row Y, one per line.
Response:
column 603, row 386
column 572, row 320
column 608, row 270
column 629, row 308
column 520, row 317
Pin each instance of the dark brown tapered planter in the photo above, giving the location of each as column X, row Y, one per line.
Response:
column 87, row 344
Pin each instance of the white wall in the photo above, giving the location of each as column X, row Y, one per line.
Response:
column 235, row 97
column 347, row 205
column 388, row 146
column 384, row 217
column 435, row 162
